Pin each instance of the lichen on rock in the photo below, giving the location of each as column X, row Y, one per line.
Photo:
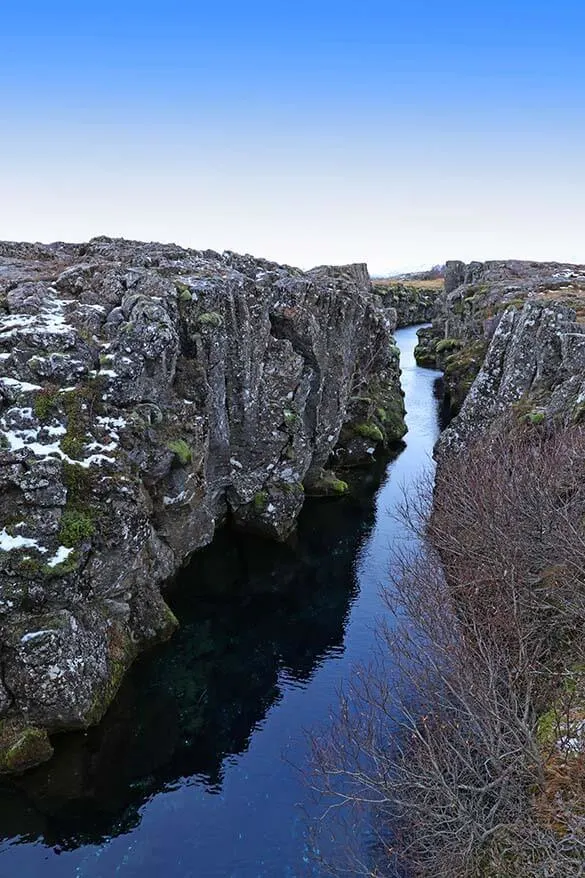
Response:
column 522, row 359
column 146, row 393
column 480, row 297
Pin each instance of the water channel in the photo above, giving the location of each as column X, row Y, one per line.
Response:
column 194, row 772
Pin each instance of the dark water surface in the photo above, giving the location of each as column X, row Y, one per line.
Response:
column 194, row 771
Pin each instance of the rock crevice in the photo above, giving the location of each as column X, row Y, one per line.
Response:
column 146, row 391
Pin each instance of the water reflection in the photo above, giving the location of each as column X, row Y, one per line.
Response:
column 186, row 776
column 255, row 617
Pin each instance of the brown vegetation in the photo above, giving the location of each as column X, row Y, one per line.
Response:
column 463, row 741
column 432, row 284
column 573, row 296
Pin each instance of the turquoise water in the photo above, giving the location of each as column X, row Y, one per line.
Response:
column 197, row 769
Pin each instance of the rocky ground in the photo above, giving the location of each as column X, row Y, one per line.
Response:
column 147, row 394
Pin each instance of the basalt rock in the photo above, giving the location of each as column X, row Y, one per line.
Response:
column 533, row 374
column 148, row 392
column 474, row 301
column 413, row 304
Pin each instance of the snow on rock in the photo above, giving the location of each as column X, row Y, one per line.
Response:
column 60, row 556
column 8, row 543
column 169, row 388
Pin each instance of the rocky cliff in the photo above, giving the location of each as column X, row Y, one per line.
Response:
column 474, row 301
column 511, row 340
column 147, row 394
column 414, row 303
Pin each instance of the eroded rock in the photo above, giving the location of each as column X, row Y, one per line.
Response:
column 146, row 391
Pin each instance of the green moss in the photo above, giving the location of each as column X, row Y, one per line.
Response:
column 535, row 418
column 291, row 419
column 181, row 450
column 579, row 413
column 448, row 344
column 70, row 565
column 547, row 727
column 75, row 526
column 72, row 446
column 183, row 291
column 78, row 481
column 211, row 318
column 22, row 747
column 80, row 406
column 425, row 354
column 260, row 501
column 291, row 487
column 326, row 484
column 121, row 654
column 171, row 623
column 45, row 402
column 514, row 303
column 369, row 431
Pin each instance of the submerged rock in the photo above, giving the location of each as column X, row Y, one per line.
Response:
column 146, row 393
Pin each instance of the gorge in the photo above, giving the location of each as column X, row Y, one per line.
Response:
column 166, row 411
column 149, row 393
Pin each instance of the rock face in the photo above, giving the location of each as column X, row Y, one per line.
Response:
column 147, row 393
column 533, row 317
column 413, row 304
column 475, row 299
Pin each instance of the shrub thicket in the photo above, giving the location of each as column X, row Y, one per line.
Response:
column 462, row 741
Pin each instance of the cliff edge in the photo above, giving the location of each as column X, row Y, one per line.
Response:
column 148, row 393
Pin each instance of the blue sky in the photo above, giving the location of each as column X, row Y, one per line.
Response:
column 400, row 134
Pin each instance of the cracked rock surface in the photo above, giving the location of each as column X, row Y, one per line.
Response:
column 148, row 392
column 511, row 338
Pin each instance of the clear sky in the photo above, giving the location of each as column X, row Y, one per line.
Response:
column 306, row 131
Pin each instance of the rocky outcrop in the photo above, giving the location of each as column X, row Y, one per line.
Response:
column 475, row 298
column 413, row 304
column 534, row 371
column 148, row 393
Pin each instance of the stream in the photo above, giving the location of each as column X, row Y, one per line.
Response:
column 194, row 771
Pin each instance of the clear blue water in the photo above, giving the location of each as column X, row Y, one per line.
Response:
column 196, row 771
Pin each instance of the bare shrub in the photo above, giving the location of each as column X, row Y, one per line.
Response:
column 439, row 740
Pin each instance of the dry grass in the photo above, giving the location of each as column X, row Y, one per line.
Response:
column 573, row 296
column 435, row 284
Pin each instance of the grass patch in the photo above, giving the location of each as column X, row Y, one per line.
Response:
column 181, row 450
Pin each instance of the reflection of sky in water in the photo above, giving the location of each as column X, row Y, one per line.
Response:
column 186, row 775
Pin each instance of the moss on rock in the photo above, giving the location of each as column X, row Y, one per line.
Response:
column 181, row 450
column 326, row 484
column 260, row 501
column 75, row 526
column 211, row 318
column 22, row 747
column 369, row 431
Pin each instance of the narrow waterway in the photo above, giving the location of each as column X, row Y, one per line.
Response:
column 194, row 771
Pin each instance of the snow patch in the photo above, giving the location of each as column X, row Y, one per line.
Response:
column 20, row 386
column 8, row 543
column 32, row 635
column 60, row 556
